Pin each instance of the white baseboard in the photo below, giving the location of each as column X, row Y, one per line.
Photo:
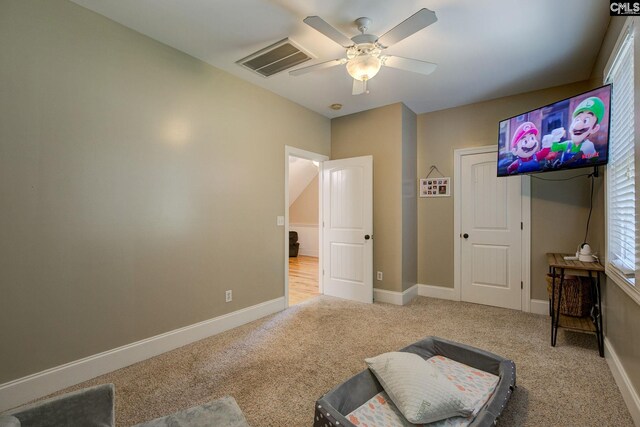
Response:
column 307, row 237
column 629, row 394
column 22, row 390
column 393, row 297
column 308, row 252
column 539, row 306
column 409, row 294
column 440, row 292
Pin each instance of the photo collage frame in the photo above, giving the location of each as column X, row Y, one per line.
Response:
column 435, row 187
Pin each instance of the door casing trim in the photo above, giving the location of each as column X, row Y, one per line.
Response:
column 525, row 200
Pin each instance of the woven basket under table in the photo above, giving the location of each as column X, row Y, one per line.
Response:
column 576, row 295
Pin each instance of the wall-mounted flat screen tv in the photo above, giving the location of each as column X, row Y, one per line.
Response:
column 568, row 134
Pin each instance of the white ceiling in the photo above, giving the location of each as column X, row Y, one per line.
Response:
column 484, row 48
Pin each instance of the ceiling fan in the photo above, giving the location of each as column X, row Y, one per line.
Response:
column 364, row 51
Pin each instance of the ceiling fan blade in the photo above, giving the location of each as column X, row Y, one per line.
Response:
column 359, row 87
column 322, row 26
column 407, row 64
column 316, row 67
column 419, row 20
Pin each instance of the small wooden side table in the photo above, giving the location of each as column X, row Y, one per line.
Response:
column 558, row 267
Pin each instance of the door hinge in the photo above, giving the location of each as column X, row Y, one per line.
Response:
column 521, row 285
column 323, row 271
column 521, row 226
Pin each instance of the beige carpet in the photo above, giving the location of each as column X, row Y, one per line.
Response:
column 278, row 366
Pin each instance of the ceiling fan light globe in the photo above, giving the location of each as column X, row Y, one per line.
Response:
column 364, row 67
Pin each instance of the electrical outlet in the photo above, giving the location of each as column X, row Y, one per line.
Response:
column 228, row 296
column 379, row 276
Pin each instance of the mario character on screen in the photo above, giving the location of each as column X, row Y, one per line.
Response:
column 525, row 146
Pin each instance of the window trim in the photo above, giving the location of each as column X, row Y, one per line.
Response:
column 623, row 283
column 627, row 28
column 612, row 273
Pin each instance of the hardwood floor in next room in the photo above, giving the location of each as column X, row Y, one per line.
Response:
column 303, row 279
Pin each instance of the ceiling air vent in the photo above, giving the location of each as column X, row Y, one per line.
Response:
column 275, row 58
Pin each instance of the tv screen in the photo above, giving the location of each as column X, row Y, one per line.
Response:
column 568, row 134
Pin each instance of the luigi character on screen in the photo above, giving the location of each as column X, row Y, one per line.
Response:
column 586, row 123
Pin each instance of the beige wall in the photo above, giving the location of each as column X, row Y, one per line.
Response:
column 129, row 196
column 558, row 209
column 559, row 212
column 305, row 209
column 621, row 313
column 378, row 133
column 622, row 330
column 409, row 199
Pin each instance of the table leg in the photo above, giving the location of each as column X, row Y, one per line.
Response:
column 598, row 315
column 552, row 273
column 556, row 317
column 551, row 307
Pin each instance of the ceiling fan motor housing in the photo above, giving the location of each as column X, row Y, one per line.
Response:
column 364, row 39
column 363, row 49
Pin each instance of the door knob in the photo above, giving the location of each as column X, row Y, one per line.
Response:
column 465, row 235
column 367, row 237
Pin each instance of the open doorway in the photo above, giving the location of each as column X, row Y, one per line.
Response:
column 304, row 247
column 302, row 225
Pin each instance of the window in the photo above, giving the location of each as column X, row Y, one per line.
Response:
column 622, row 229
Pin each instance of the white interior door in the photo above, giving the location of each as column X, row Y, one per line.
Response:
column 348, row 228
column 490, row 234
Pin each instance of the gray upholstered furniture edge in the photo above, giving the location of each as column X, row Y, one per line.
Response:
column 223, row 412
column 89, row 407
column 358, row 389
column 94, row 407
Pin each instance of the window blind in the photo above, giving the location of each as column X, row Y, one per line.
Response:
column 621, row 199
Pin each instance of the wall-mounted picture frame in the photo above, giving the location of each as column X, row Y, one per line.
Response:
column 435, row 187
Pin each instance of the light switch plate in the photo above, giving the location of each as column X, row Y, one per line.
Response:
column 280, row 220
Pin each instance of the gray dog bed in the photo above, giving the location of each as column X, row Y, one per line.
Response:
column 333, row 408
